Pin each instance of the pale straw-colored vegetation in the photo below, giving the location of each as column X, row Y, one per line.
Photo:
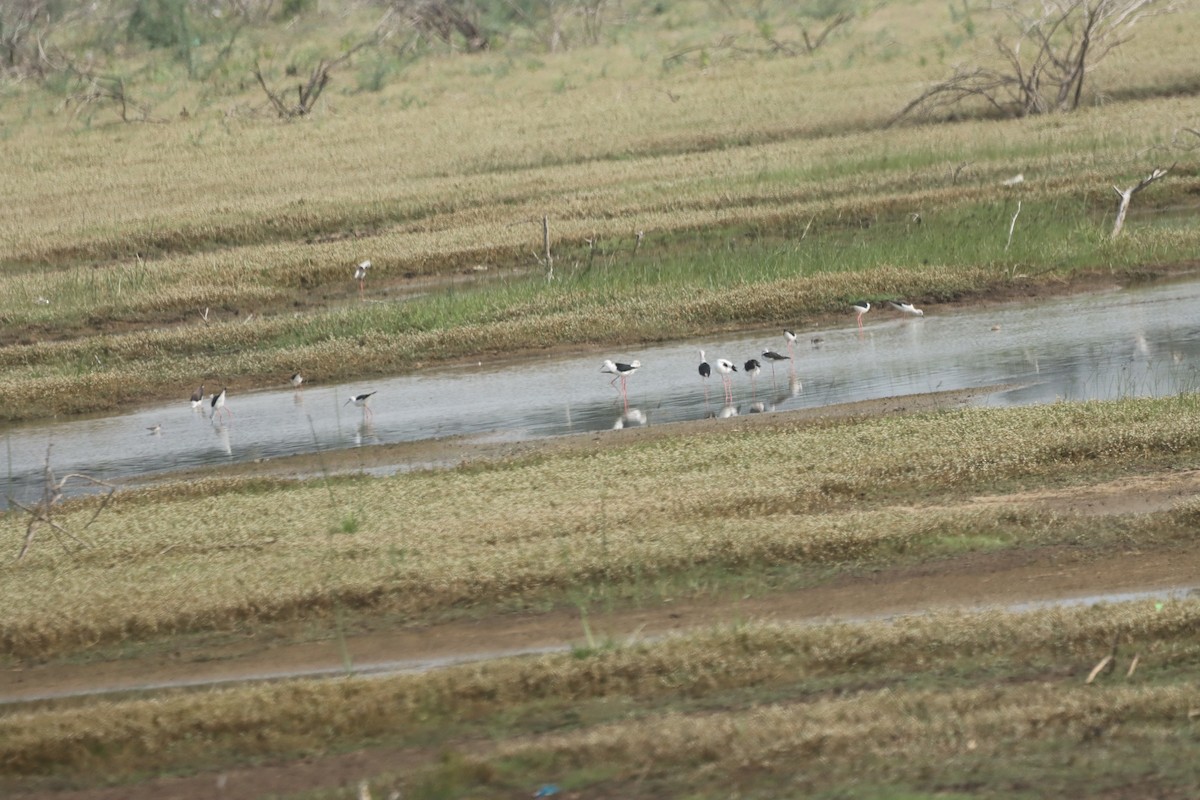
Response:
column 681, row 510
column 850, row 697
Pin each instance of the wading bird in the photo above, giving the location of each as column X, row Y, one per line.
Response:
column 360, row 275
column 705, row 371
column 905, row 307
column 860, row 308
column 772, row 356
column 791, row 338
column 218, row 403
column 622, row 372
column 752, row 368
column 360, row 400
column 297, row 379
column 198, row 397
column 727, row 368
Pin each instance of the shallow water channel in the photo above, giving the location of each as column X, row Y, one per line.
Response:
column 1121, row 343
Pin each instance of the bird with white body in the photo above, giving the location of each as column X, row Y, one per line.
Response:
column 705, row 371
column 790, row 336
column 727, row 368
column 904, row 307
column 861, row 307
column 218, row 403
column 619, row 369
column 621, row 372
column 360, row 401
column 360, row 275
column 752, row 368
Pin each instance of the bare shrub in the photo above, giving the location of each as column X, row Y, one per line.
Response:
column 812, row 24
column 451, row 22
column 1044, row 59
column 309, row 92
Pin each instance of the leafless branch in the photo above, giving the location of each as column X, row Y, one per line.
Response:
column 40, row 514
column 1012, row 226
column 1053, row 46
column 308, row 92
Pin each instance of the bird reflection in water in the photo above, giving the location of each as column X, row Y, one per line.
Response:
column 222, row 432
column 629, row 419
column 365, row 433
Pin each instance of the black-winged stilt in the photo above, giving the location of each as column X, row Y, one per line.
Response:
column 360, row 275
column 218, row 403
column 905, row 307
column 790, row 336
column 727, row 368
column 705, row 370
column 297, row 379
column 752, row 368
column 621, row 372
column 155, row 430
column 861, row 307
column 360, row 400
column 772, row 356
column 198, row 397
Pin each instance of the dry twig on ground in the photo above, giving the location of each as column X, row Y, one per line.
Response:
column 1126, row 196
column 52, row 493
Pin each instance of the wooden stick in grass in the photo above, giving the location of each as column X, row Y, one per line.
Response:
column 1126, row 196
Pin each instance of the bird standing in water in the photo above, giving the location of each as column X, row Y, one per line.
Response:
column 360, row 275
column 218, row 403
column 772, row 356
column 727, row 368
column 861, row 307
column 752, row 368
column 905, row 307
column 360, row 400
column 622, row 372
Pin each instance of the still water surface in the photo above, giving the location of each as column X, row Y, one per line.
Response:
column 1121, row 343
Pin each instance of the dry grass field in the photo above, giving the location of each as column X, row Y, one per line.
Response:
column 684, row 576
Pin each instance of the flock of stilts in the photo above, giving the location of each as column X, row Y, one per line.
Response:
column 725, row 368
column 216, row 401
column 619, row 370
